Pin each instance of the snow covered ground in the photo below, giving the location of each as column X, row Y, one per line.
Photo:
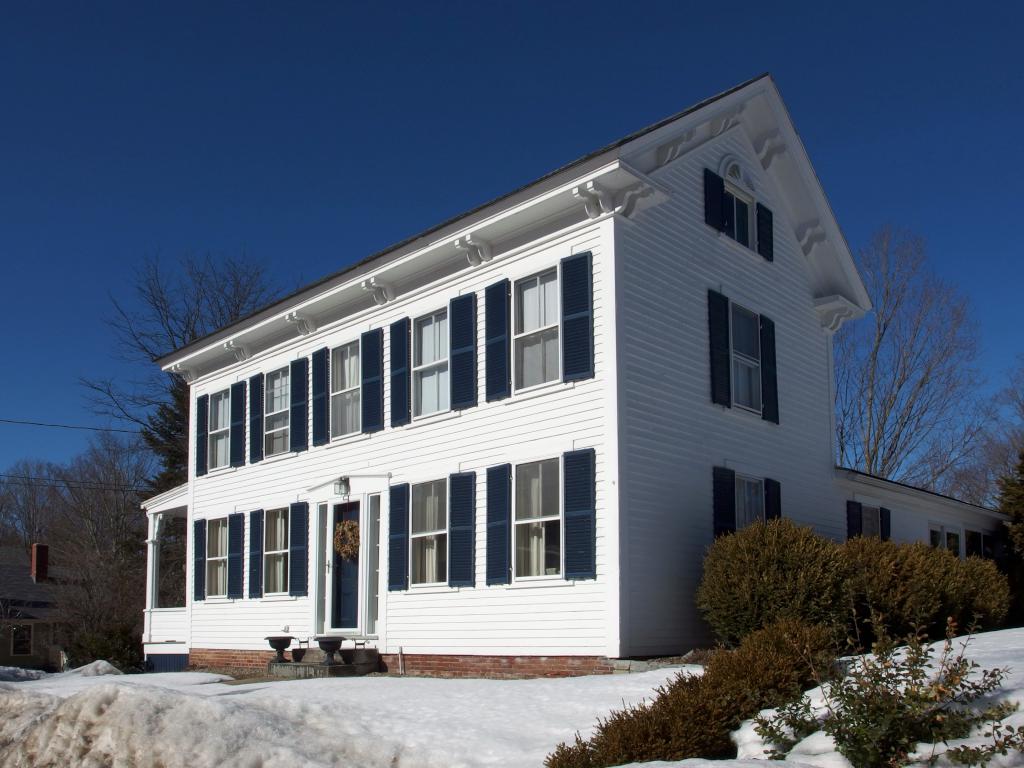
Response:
column 96, row 717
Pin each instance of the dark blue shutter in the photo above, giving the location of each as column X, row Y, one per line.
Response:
column 298, row 424
column 461, row 529
column 298, row 549
column 321, row 401
column 236, row 544
column 256, row 554
column 499, row 524
column 577, row 317
column 256, row 418
column 238, row 424
column 724, row 501
column 765, row 233
column 498, row 345
column 769, row 375
column 714, row 194
column 462, row 351
column 772, row 499
column 199, row 560
column 398, row 537
column 579, row 494
column 854, row 519
column 202, row 432
column 884, row 523
column 401, row 387
column 718, row 335
column 372, row 395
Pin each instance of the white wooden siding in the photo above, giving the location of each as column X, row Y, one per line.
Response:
column 550, row 617
column 671, row 434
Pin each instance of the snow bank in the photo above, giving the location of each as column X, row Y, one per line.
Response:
column 17, row 674
column 95, row 669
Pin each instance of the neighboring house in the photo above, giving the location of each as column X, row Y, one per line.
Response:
column 28, row 614
column 539, row 413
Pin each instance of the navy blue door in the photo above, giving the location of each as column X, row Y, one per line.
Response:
column 345, row 605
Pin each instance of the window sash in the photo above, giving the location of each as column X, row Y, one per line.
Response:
column 536, row 330
column 739, row 205
column 18, row 640
column 746, row 362
column 431, row 390
column 428, row 533
column 749, row 501
column 275, row 551
column 218, row 428
column 537, row 529
column 276, row 411
column 346, row 388
column 870, row 521
column 217, row 557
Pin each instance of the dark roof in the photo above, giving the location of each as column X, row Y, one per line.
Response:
column 27, row 599
column 916, row 488
column 202, row 340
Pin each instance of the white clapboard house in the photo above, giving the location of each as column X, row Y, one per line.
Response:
column 538, row 414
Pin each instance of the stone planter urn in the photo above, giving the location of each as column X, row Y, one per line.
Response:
column 298, row 654
column 279, row 643
column 330, row 645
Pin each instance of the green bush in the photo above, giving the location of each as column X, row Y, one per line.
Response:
column 981, row 594
column 897, row 698
column 693, row 715
column 767, row 572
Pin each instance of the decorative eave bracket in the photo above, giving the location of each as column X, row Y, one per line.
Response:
column 239, row 350
column 476, row 250
column 382, row 293
column 768, row 147
column 186, row 373
column 809, row 235
column 835, row 310
column 599, row 199
column 304, row 324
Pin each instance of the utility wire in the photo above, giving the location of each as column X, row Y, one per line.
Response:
column 52, row 482
column 68, row 426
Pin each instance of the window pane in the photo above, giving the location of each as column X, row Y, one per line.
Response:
column 275, row 531
column 742, row 222
column 276, row 442
column 216, row 577
column 729, row 206
column 429, row 559
column 345, row 367
column 277, row 421
column 429, row 506
column 219, row 410
column 21, row 640
column 431, row 339
column 275, row 573
column 217, row 538
column 432, row 393
column 537, row 302
column 972, row 542
column 345, row 413
column 537, row 358
column 277, row 391
column 746, row 384
column 538, row 548
column 537, row 489
column 935, row 537
column 744, row 333
column 953, row 542
column 870, row 522
column 749, row 501
column 219, row 450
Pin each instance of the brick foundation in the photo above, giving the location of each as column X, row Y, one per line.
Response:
column 506, row 667
column 424, row 665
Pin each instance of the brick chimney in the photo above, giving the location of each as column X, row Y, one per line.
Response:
column 40, row 562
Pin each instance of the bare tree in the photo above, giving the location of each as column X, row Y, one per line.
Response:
column 170, row 309
column 27, row 496
column 907, row 402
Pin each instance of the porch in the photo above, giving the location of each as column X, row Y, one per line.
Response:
column 165, row 628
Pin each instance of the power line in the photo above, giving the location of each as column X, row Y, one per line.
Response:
column 53, row 482
column 68, row 426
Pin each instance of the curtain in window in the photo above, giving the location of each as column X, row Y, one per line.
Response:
column 432, row 389
column 345, row 407
column 538, row 302
column 749, row 502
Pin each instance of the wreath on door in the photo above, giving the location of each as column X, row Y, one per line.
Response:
column 346, row 539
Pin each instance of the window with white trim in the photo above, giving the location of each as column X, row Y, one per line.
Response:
column 745, row 344
column 217, row 557
column 739, row 209
column 219, row 430
column 428, row 533
column 536, row 330
column 21, row 640
column 941, row 537
column 749, row 500
column 275, row 551
column 978, row 544
column 275, row 414
column 870, row 521
column 430, row 364
column 345, row 390
column 538, row 519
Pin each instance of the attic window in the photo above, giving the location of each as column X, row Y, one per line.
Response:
column 731, row 207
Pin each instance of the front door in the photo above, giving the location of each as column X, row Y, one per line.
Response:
column 344, row 574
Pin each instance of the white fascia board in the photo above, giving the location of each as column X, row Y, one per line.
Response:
column 855, row 480
column 171, row 499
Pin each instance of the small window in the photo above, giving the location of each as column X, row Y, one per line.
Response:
column 430, row 364
column 538, row 528
column 345, row 390
column 738, row 206
column 275, row 552
column 275, row 420
column 217, row 557
column 429, row 532
column 940, row 536
column 749, row 500
column 870, row 521
column 746, row 358
column 953, row 542
column 536, row 330
column 220, row 425
column 21, row 640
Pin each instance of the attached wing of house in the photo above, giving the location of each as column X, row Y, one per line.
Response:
column 502, row 446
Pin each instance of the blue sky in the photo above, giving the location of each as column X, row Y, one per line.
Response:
column 311, row 134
